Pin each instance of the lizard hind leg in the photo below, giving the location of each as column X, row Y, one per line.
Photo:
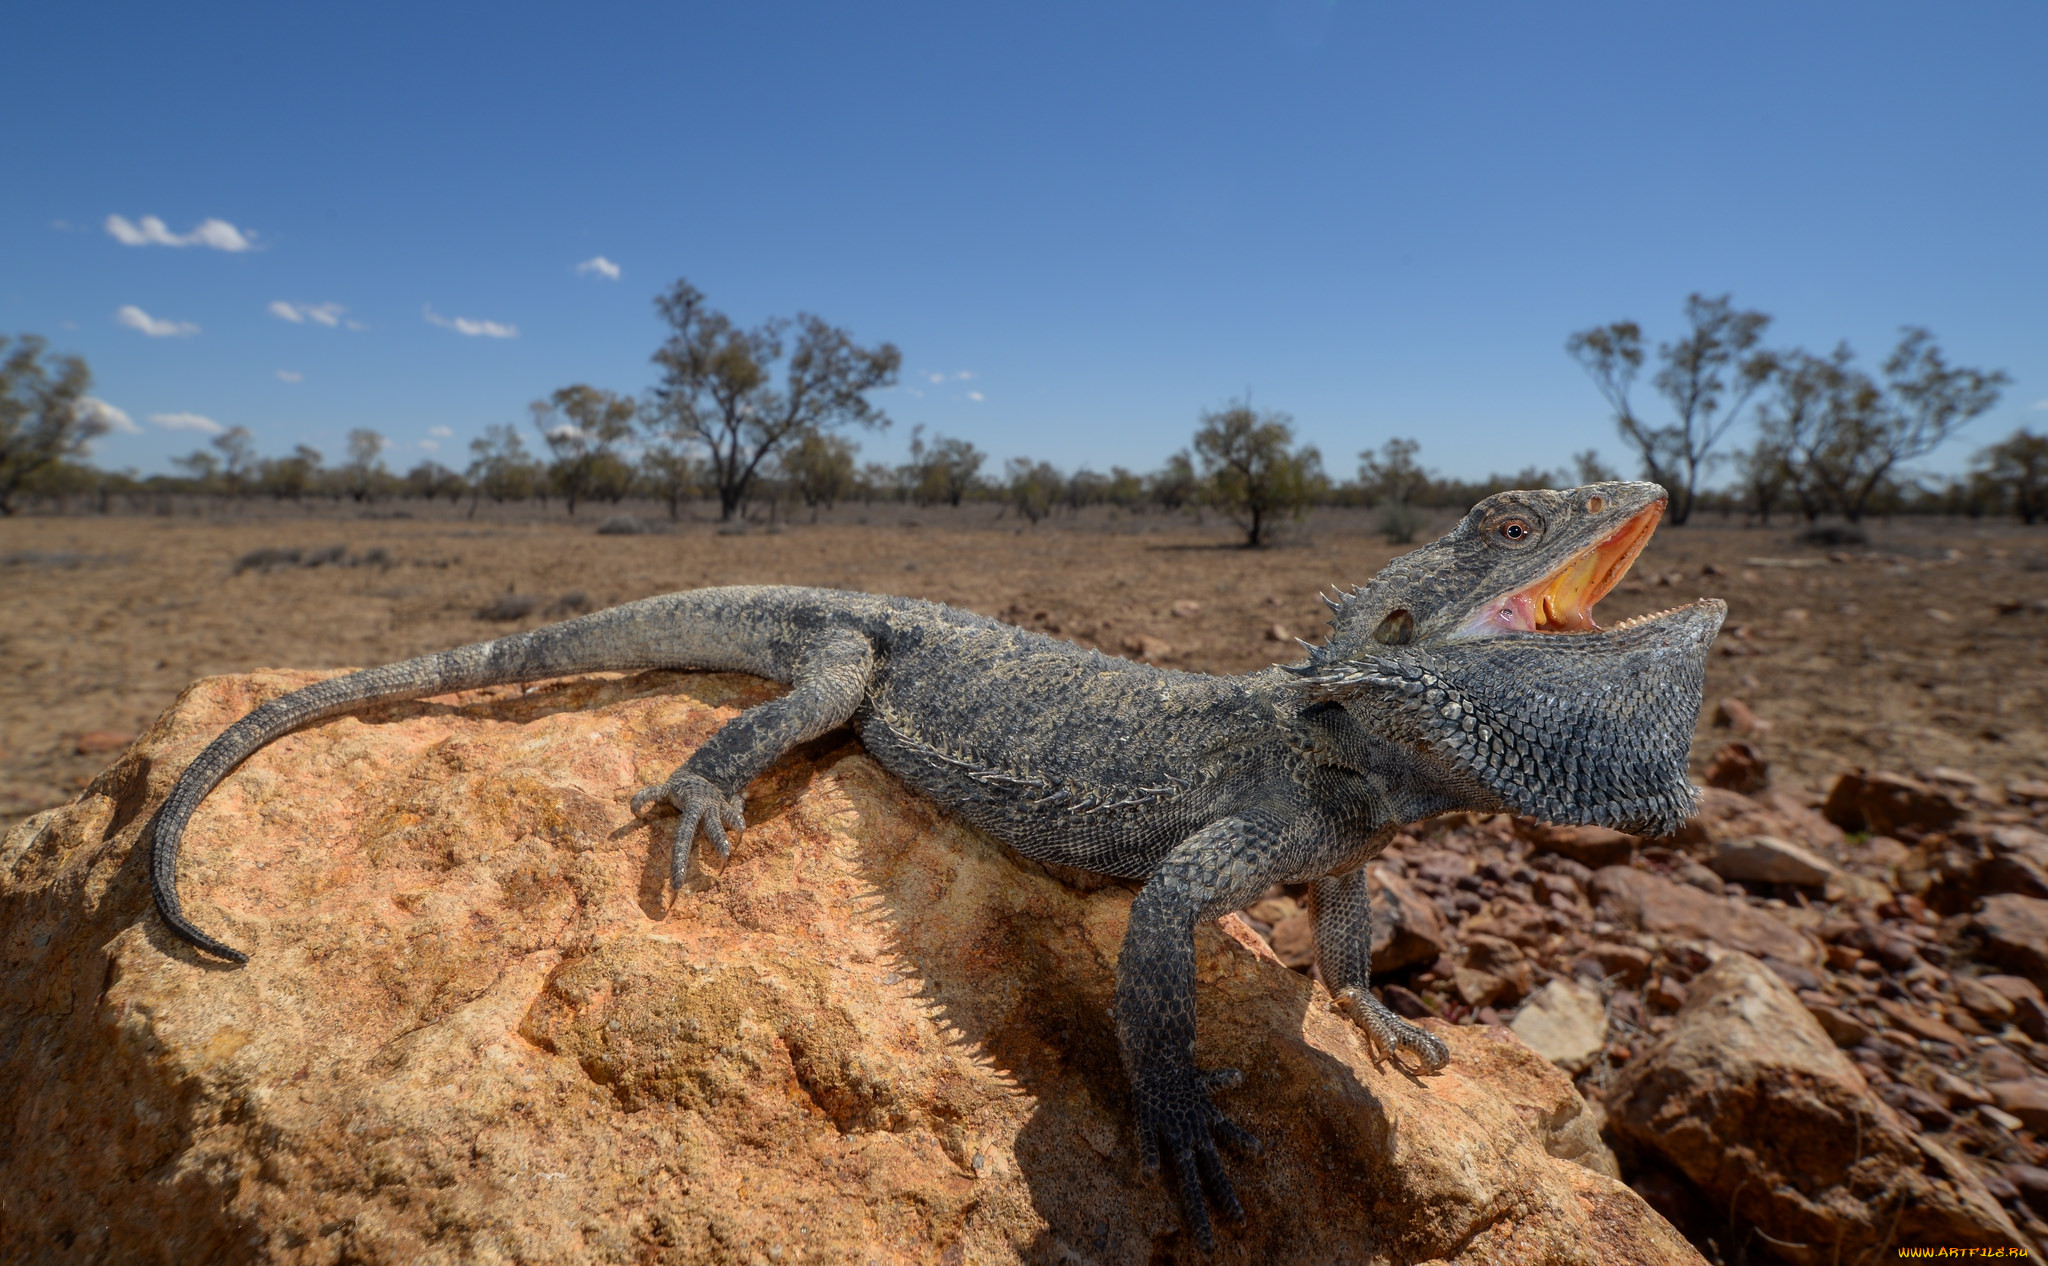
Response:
column 828, row 679
column 697, row 804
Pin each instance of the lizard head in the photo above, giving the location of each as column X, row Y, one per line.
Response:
column 1480, row 652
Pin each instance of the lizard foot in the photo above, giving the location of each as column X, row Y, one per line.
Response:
column 1176, row 1117
column 700, row 804
column 1389, row 1034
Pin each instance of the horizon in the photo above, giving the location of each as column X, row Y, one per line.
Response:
column 1082, row 227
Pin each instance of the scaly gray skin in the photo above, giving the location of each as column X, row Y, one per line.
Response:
column 1209, row 789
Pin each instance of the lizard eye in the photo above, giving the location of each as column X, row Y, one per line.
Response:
column 1514, row 531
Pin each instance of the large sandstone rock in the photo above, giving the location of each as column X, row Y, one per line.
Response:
column 471, row 1032
column 1749, row 1098
column 1655, row 904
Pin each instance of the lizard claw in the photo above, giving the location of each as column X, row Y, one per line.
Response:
column 699, row 804
column 1388, row 1034
column 1176, row 1118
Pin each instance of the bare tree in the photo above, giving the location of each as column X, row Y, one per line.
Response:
column 2018, row 469
column 1843, row 437
column 44, row 414
column 1250, row 470
column 717, row 385
column 238, row 461
column 365, row 470
column 1707, row 377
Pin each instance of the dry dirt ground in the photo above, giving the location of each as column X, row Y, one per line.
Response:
column 1927, row 648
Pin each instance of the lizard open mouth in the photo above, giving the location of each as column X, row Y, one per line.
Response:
column 1563, row 601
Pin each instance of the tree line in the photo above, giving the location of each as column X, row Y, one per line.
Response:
column 1830, row 436
column 762, row 416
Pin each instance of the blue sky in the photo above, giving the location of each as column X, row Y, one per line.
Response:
column 1092, row 221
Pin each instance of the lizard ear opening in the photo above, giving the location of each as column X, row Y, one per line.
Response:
column 1398, row 629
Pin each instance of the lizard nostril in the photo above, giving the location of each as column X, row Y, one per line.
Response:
column 1595, row 505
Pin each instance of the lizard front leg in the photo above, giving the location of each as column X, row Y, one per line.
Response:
column 830, row 680
column 1341, row 908
column 1214, row 871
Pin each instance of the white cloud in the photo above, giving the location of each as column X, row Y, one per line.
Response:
column 136, row 319
column 187, row 422
column 150, row 231
column 440, row 432
column 598, row 265
column 975, row 396
column 939, row 376
column 430, row 445
column 2041, row 404
column 290, row 375
column 566, row 432
column 964, row 375
column 106, row 417
column 327, row 314
column 463, row 325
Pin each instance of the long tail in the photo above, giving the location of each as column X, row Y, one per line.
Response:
column 705, row 629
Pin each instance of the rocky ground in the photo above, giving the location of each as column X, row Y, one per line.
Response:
column 1907, row 916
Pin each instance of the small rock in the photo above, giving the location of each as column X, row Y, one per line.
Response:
column 1957, row 1091
column 1920, row 1024
column 1493, row 970
column 1733, row 714
column 1407, row 928
column 1982, row 1001
column 2032, row 1183
column 2031, row 1016
column 1590, row 846
column 1665, row 994
column 1627, row 962
column 1843, row 1029
column 1882, row 803
column 1566, row 1023
column 1405, row 1002
column 1278, row 633
column 1147, row 647
column 1659, row 906
column 2026, row 1098
column 1739, row 767
column 1294, row 940
column 2014, row 933
column 1768, row 859
column 1918, row 1104
column 94, row 742
column 1698, row 876
column 1962, row 780
column 1794, row 974
column 1187, row 609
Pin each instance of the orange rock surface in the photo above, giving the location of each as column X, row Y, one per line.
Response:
column 472, row 1030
